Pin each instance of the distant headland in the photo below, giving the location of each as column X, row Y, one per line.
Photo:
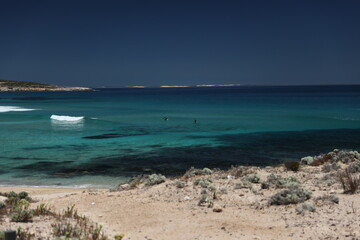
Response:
column 24, row 86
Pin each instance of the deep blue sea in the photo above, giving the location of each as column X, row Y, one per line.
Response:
column 120, row 133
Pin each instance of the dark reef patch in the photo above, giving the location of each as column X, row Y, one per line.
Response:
column 261, row 149
column 114, row 135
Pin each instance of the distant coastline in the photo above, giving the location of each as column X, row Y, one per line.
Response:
column 223, row 85
column 25, row 86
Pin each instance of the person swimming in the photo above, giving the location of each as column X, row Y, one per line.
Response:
column 165, row 118
column 195, row 121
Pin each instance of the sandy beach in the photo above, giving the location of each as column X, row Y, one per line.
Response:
column 174, row 209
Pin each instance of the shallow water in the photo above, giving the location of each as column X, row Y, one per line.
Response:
column 123, row 133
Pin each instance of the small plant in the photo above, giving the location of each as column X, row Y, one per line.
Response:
column 70, row 211
column 240, row 171
column 196, row 172
column 300, row 209
column 119, row 236
column 349, row 182
column 223, row 191
column 293, row 166
column 243, row 184
column 22, row 234
column 253, row 178
column 290, row 195
column 278, row 182
column 180, row 184
column 20, row 211
column 42, row 209
column 154, row 179
column 354, row 167
column 21, row 215
column 2, row 205
column 327, row 199
column 328, row 167
column 203, row 182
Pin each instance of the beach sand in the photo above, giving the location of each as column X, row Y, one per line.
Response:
column 165, row 211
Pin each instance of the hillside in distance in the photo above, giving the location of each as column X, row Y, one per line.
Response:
column 26, row 86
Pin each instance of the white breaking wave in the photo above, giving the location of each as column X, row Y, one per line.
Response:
column 66, row 118
column 14, row 109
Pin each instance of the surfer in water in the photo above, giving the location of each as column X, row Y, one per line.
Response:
column 195, row 121
column 165, row 118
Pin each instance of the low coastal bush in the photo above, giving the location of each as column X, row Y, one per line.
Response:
column 253, row 178
column 192, row 172
column 240, row 171
column 42, row 210
column 21, row 215
column 301, row 208
column 292, row 166
column 179, row 184
column 24, row 234
column 327, row 199
column 2, row 205
column 354, row 167
column 349, row 182
column 291, row 195
column 243, row 184
column 328, row 167
column 154, row 179
column 20, row 211
column 203, row 182
column 276, row 181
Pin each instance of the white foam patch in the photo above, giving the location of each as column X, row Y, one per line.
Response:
column 66, row 118
column 14, row 109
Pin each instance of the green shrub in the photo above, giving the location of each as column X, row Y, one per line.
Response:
column 290, row 195
column 196, row 172
column 327, row 199
column 21, row 215
column 278, row 182
column 24, row 234
column 154, row 179
column 253, row 178
column 180, row 184
column 305, row 207
column 243, row 184
column 2, row 205
column 203, row 182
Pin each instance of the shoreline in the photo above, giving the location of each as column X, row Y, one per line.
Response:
column 239, row 203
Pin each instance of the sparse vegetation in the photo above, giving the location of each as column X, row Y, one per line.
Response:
column 290, row 195
column 253, row 178
column 180, row 184
column 276, row 181
column 192, row 172
column 302, row 208
column 203, row 182
column 240, row 171
column 326, row 199
column 349, row 182
column 154, row 179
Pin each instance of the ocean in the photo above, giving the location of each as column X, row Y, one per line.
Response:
column 102, row 138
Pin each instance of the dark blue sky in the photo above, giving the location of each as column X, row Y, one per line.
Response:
column 117, row 43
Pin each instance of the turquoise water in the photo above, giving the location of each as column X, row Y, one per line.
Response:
column 123, row 132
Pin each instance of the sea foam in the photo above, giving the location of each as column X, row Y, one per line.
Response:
column 66, row 118
column 14, row 109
